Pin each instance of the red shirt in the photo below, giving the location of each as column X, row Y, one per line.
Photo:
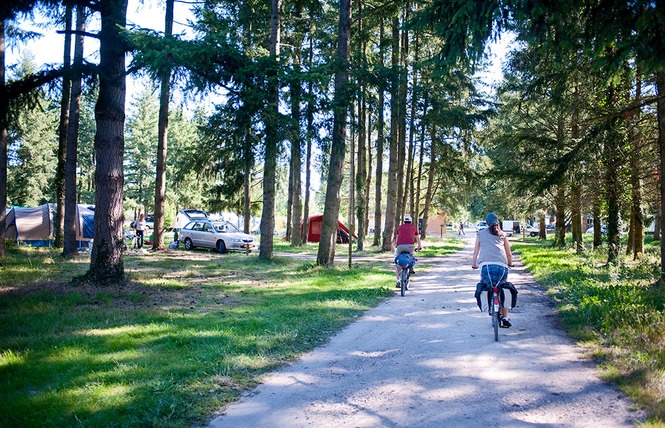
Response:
column 406, row 234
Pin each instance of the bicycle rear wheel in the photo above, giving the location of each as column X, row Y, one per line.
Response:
column 403, row 278
column 495, row 323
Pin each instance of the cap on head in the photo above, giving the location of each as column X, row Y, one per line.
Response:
column 491, row 219
column 407, row 219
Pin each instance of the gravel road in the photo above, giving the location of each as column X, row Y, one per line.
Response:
column 429, row 359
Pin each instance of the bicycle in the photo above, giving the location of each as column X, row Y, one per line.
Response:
column 495, row 308
column 406, row 261
column 495, row 302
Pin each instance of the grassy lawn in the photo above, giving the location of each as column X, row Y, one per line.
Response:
column 613, row 310
column 190, row 332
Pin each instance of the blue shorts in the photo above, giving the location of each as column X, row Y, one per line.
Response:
column 493, row 274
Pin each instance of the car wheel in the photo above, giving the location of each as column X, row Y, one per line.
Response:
column 188, row 244
column 533, row 234
column 221, row 246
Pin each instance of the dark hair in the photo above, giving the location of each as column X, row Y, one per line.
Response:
column 495, row 229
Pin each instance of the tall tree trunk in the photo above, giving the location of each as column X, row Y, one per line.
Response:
column 4, row 112
column 401, row 98
column 576, row 220
column 106, row 264
column 361, row 176
column 352, row 195
column 636, row 233
column 271, row 139
column 162, row 142
column 296, row 138
column 612, row 159
column 310, row 136
column 660, row 86
column 391, row 197
column 576, row 187
column 379, row 148
column 296, row 145
column 412, row 146
column 326, row 254
column 247, row 180
column 62, row 133
column 69, row 246
column 597, row 224
column 368, row 170
column 430, row 182
column 289, row 199
column 560, row 204
column 423, row 132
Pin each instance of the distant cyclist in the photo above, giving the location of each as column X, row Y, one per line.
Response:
column 492, row 251
column 407, row 233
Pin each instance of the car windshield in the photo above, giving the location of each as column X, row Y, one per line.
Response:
column 226, row 227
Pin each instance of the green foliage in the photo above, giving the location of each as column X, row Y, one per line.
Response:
column 32, row 147
column 616, row 309
column 140, row 151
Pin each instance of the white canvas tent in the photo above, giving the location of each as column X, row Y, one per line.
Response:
column 33, row 226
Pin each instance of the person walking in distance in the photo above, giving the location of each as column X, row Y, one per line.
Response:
column 461, row 229
column 407, row 233
column 140, row 230
column 492, row 254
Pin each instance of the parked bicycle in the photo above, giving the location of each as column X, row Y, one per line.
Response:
column 406, row 262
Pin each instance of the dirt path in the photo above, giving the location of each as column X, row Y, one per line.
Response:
column 429, row 360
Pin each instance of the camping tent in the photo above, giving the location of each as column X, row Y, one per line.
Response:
column 33, row 226
column 314, row 233
column 85, row 225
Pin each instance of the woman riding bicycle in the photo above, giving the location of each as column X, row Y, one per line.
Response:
column 492, row 251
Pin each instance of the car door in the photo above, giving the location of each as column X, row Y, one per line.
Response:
column 208, row 235
column 196, row 233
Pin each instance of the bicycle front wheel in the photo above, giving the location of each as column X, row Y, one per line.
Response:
column 403, row 278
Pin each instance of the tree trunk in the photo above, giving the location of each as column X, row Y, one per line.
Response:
column 423, row 132
column 576, row 220
column 636, row 234
column 430, row 182
column 612, row 159
column 379, row 150
column 4, row 111
column 326, row 254
column 62, row 133
column 69, row 247
column 272, row 138
column 401, row 98
column 310, row 137
column 560, row 203
column 361, row 176
column 660, row 86
column 106, row 264
column 412, row 146
column 247, row 181
column 391, row 198
column 162, row 142
column 296, row 140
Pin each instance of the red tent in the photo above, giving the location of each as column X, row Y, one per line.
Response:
column 314, row 233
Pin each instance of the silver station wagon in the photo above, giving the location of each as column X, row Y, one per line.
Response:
column 219, row 235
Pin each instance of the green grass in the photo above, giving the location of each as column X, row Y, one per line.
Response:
column 189, row 333
column 614, row 310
